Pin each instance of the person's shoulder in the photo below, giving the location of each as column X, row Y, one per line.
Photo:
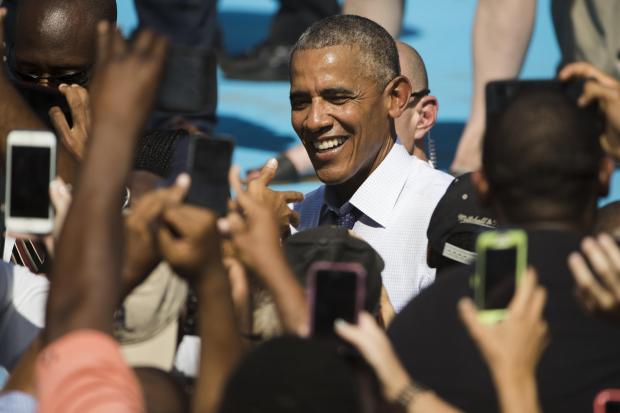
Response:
column 311, row 199
column 438, row 298
column 430, row 175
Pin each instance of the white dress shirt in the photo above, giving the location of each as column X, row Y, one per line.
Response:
column 396, row 201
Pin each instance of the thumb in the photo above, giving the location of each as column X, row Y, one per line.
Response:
column 268, row 172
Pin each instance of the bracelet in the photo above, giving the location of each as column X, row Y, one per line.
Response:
column 406, row 396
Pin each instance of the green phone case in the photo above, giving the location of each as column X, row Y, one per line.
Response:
column 497, row 240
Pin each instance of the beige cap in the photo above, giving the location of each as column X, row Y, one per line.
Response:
column 148, row 335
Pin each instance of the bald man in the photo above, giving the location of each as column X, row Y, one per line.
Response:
column 53, row 41
column 421, row 114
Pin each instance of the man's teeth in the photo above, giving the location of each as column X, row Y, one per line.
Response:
column 329, row 144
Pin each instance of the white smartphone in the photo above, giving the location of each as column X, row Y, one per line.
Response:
column 30, row 167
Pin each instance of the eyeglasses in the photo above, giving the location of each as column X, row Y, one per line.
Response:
column 77, row 77
column 421, row 93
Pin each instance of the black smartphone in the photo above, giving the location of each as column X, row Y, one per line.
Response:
column 336, row 291
column 208, row 165
column 500, row 93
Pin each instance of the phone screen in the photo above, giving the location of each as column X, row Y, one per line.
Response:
column 335, row 298
column 612, row 407
column 30, row 179
column 500, row 274
column 208, row 165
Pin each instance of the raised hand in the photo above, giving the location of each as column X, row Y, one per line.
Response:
column 126, row 77
column 255, row 232
column 517, row 343
column 73, row 138
column 188, row 239
column 605, row 90
column 141, row 245
column 599, row 295
column 276, row 201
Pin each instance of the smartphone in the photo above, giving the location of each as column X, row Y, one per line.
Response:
column 607, row 401
column 500, row 263
column 31, row 166
column 208, row 165
column 335, row 291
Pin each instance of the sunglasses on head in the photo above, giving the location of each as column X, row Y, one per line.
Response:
column 421, row 93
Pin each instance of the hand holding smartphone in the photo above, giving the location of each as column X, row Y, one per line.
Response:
column 30, row 167
column 500, row 263
column 336, row 291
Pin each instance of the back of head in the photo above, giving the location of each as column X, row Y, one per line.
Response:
column 378, row 53
column 412, row 66
column 608, row 219
column 541, row 157
column 292, row 375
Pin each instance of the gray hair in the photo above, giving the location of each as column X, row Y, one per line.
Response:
column 378, row 53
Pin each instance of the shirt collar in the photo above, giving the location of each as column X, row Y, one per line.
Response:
column 376, row 197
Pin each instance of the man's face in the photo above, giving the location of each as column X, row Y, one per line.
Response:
column 51, row 51
column 338, row 112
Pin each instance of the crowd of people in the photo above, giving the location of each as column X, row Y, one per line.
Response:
column 154, row 304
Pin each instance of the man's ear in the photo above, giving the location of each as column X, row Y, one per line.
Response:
column 427, row 110
column 398, row 93
column 604, row 175
column 481, row 185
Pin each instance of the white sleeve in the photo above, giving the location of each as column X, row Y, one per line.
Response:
column 22, row 311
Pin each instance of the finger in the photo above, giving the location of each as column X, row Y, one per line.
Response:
column 234, row 180
column 469, row 316
column 59, row 195
column 587, row 70
column 292, row 196
column 601, row 265
column 59, row 121
column 103, row 42
column 611, row 249
column 143, row 42
column 537, row 305
column 523, row 295
column 118, row 43
column 587, row 283
column 267, row 173
column 166, row 241
column 295, row 219
column 3, row 12
column 159, row 50
column 187, row 219
column 594, row 91
column 351, row 333
column 236, row 224
column 76, row 104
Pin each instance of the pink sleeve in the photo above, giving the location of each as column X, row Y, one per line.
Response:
column 84, row 372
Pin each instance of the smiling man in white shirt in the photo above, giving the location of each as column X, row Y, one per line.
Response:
column 346, row 92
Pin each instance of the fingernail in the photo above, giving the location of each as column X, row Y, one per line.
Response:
column 272, row 163
column 340, row 323
column 183, row 180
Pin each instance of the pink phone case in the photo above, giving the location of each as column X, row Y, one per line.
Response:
column 605, row 396
column 353, row 267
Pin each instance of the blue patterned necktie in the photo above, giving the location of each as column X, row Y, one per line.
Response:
column 348, row 219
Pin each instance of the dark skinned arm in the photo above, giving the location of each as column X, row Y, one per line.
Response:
column 189, row 241
column 86, row 275
column 256, row 235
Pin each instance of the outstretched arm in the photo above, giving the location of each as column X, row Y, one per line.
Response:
column 85, row 277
